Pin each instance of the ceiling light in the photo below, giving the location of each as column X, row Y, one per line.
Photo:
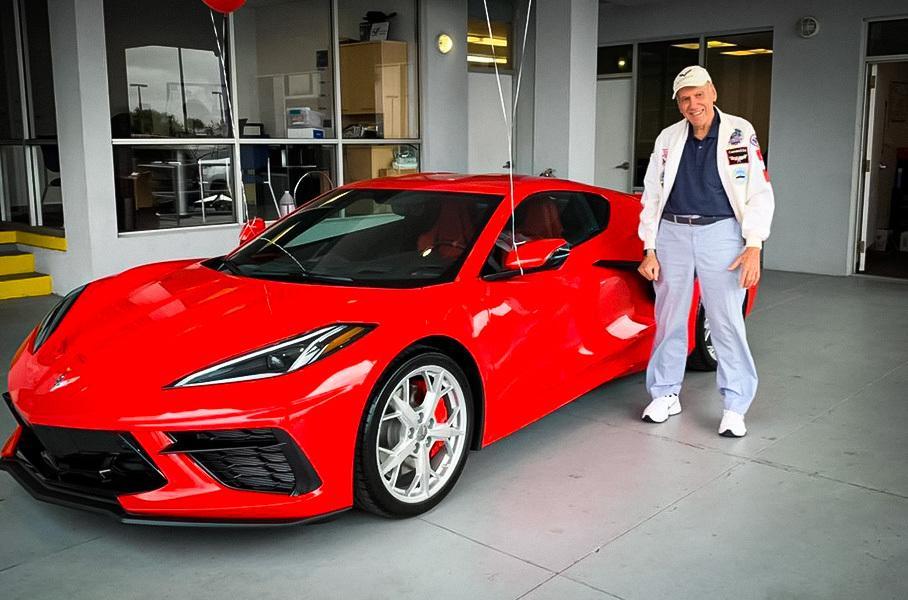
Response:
column 752, row 52
column 486, row 60
column 486, row 40
column 709, row 44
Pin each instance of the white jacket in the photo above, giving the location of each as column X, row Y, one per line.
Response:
column 741, row 169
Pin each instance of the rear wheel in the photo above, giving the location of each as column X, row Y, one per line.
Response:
column 414, row 437
column 703, row 358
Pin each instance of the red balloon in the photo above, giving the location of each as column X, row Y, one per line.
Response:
column 224, row 6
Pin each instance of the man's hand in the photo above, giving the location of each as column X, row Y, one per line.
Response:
column 749, row 261
column 649, row 268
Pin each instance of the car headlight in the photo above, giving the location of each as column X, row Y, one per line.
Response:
column 52, row 320
column 279, row 358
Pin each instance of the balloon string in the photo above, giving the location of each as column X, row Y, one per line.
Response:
column 507, row 124
column 217, row 39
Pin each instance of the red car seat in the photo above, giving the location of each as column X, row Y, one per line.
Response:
column 451, row 232
column 541, row 220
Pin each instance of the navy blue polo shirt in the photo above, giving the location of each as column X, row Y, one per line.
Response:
column 698, row 189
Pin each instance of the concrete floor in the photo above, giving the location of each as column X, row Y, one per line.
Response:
column 589, row 503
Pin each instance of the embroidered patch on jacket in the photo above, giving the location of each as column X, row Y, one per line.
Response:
column 740, row 174
column 737, row 156
column 763, row 164
column 735, row 138
column 664, row 155
column 754, row 142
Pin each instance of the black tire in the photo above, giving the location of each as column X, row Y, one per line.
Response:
column 703, row 358
column 371, row 489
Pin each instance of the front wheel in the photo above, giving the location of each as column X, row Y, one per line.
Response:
column 414, row 437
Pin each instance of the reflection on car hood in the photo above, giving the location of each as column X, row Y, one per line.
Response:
column 169, row 319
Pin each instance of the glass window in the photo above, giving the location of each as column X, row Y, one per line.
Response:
column 378, row 71
column 304, row 170
column 572, row 216
column 658, row 64
column 46, row 156
column 615, row 60
column 13, row 189
column 284, row 69
column 10, row 88
column 165, row 186
column 164, row 71
column 42, row 149
column 741, row 68
column 368, row 161
column 40, row 71
column 380, row 238
column 483, row 52
column 887, row 38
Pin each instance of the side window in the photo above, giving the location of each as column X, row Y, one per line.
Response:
column 573, row 216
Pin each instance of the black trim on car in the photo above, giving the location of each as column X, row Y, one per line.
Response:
column 111, row 508
column 256, row 460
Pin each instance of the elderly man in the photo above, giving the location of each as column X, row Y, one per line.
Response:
column 707, row 208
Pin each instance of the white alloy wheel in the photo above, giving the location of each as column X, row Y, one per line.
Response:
column 708, row 339
column 422, row 434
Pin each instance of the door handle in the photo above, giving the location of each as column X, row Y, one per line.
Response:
column 625, row 165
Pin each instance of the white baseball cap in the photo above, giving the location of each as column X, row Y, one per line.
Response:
column 694, row 76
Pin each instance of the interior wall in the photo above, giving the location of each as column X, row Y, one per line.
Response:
column 487, row 133
column 403, row 28
column 817, row 87
column 565, row 89
column 443, row 87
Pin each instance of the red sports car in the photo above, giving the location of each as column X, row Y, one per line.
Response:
column 353, row 353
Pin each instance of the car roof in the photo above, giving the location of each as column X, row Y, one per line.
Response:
column 497, row 184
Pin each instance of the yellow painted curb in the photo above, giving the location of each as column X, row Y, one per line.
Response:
column 17, row 263
column 50, row 242
column 26, row 286
column 38, row 240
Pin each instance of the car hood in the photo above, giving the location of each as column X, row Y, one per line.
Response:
column 165, row 321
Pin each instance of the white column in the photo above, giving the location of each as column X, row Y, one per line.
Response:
column 565, row 86
column 443, row 82
column 83, row 130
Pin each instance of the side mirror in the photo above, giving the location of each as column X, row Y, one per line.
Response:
column 538, row 254
column 251, row 229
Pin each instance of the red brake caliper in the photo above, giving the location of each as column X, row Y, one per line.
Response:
column 441, row 416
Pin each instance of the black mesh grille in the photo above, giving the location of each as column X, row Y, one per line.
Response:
column 259, row 469
column 260, row 460
column 97, row 463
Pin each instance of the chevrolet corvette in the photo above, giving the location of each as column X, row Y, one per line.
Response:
column 351, row 354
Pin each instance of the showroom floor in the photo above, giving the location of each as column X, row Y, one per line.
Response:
column 588, row 503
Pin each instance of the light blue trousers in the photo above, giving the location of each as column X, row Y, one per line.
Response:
column 707, row 251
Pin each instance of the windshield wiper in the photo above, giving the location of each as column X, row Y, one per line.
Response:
column 303, row 276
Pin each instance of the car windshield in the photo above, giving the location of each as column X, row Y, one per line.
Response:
column 375, row 238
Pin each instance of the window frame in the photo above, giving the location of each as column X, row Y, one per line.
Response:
column 236, row 140
column 588, row 196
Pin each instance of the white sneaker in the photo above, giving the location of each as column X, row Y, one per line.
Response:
column 661, row 408
column 732, row 424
